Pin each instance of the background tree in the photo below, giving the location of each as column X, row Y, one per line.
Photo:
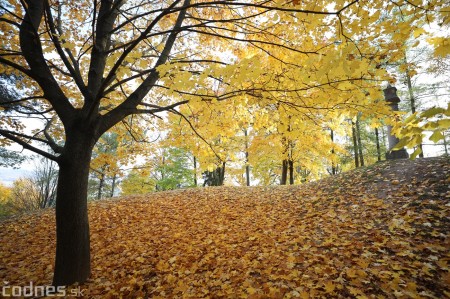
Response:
column 167, row 168
column 173, row 170
column 110, row 154
column 5, row 193
column 8, row 96
column 45, row 178
column 137, row 182
column 24, row 196
column 210, row 133
column 423, row 75
column 35, row 192
column 10, row 158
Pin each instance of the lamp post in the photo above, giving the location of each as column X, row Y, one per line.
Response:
column 390, row 95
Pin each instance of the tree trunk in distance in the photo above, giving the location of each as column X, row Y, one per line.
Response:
column 291, row 172
column 412, row 100
column 222, row 174
column 100, row 185
column 247, row 167
column 195, row 171
column 284, row 172
column 333, row 167
column 358, row 134
column 445, row 144
column 355, row 145
column 377, row 138
column 113, row 185
column 247, row 174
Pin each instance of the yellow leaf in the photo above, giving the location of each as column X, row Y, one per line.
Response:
column 432, row 112
column 436, row 136
column 171, row 278
column 290, row 265
column 418, row 32
column 173, row 259
column 251, row 290
column 304, row 294
column 417, row 152
column 443, row 123
column 329, row 286
column 363, row 264
column 351, row 273
column 441, row 46
column 411, row 286
column 140, row 259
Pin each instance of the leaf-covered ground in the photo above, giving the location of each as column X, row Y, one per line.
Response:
column 381, row 232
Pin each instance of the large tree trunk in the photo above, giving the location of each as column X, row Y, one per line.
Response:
column 72, row 262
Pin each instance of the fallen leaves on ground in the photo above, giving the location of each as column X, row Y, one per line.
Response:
column 381, row 232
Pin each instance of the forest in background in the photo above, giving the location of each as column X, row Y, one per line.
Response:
column 378, row 231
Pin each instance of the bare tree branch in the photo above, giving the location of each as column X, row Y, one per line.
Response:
column 28, row 146
column 111, row 118
column 51, row 142
column 73, row 69
column 39, row 70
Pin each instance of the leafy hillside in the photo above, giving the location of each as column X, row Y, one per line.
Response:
column 378, row 232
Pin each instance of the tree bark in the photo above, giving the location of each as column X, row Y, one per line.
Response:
column 333, row 166
column 215, row 177
column 445, row 144
column 195, row 171
column 247, row 174
column 113, row 186
column 412, row 100
column 100, row 185
column 284, row 172
column 221, row 174
column 247, row 167
column 358, row 133
column 355, row 145
column 72, row 262
column 377, row 137
column 291, row 172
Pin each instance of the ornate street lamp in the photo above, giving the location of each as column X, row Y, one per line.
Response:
column 390, row 95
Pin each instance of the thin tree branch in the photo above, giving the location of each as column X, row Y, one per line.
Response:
column 196, row 133
column 73, row 69
column 28, row 146
column 32, row 51
column 51, row 142
column 125, row 108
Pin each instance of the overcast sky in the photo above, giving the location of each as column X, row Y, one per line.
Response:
column 8, row 175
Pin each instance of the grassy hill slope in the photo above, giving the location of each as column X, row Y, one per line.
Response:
column 377, row 232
